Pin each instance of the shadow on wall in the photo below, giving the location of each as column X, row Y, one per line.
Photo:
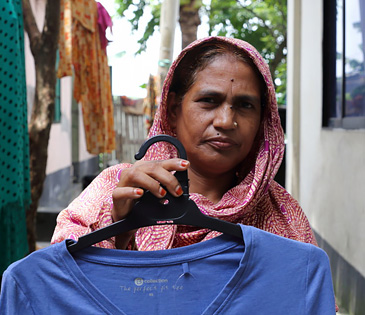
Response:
column 348, row 283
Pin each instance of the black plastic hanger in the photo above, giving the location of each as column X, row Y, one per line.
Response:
column 150, row 210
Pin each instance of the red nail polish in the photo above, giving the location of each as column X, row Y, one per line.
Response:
column 162, row 192
column 179, row 190
column 139, row 191
column 184, row 163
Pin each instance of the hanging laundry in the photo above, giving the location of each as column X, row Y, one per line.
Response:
column 151, row 101
column 14, row 140
column 104, row 21
column 81, row 50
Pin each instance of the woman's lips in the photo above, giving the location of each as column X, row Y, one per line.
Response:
column 221, row 143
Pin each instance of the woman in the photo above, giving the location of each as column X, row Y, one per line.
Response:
column 218, row 99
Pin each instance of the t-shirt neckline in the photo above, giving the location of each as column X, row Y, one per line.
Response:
column 156, row 258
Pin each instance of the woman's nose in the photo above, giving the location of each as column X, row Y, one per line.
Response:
column 224, row 117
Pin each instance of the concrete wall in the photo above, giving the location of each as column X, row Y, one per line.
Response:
column 330, row 182
column 60, row 143
column 59, row 146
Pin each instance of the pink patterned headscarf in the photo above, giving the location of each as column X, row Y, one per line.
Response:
column 256, row 200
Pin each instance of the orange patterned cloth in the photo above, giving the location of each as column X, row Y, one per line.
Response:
column 80, row 49
column 257, row 199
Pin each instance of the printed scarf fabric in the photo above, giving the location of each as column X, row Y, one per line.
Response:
column 257, row 200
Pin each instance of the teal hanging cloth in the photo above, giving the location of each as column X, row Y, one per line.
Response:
column 14, row 141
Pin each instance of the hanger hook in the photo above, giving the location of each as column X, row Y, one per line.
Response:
column 182, row 176
column 143, row 149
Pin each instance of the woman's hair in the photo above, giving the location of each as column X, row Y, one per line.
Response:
column 199, row 58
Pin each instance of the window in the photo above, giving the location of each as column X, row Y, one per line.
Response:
column 343, row 64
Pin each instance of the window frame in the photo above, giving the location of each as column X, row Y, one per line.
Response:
column 329, row 70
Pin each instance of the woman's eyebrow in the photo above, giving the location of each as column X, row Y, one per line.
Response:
column 246, row 98
column 236, row 99
column 209, row 93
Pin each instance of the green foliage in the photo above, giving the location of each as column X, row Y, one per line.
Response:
column 197, row 4
column 261, row 23
column 280, row 74
column 137, row 9
column 151, row 27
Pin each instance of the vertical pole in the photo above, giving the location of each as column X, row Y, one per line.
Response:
column 292, row 180
column 168, row 21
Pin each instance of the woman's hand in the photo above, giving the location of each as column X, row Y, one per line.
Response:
column 144, row 175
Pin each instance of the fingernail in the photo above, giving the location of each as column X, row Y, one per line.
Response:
column 138, row 191
column 178, row 190
column 162, row 192
column 184, row 163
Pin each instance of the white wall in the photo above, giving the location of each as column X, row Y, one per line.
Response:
column 332, row 161
column 59, row 146
column 60, row 142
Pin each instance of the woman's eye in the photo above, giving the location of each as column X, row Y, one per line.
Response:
column 247, row 105
column 207, row 100
column 244, row 105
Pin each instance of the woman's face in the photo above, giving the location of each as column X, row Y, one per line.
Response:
column 226, row 91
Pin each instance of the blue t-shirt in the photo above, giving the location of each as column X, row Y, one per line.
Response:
column 269, row 274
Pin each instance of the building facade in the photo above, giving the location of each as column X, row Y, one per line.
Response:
column 325, row 167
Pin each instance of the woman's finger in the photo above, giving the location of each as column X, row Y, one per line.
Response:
column 123, row 199
column 152, row 175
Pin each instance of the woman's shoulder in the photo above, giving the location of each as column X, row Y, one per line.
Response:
column 281, row 197
column 279, row 213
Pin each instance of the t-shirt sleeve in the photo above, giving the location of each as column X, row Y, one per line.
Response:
column 320, row 295
column 12, row 298
column 91, row 210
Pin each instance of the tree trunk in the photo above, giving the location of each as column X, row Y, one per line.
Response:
column 168, row 19
column 189, row 21
column 44, row 48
